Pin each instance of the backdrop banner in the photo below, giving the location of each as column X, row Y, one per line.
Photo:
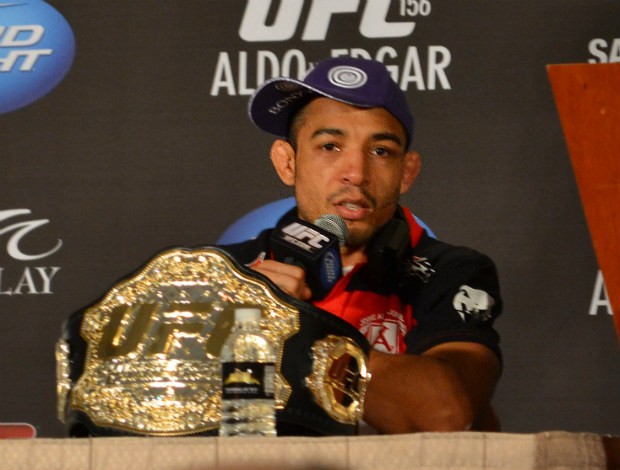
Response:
column 125, row 132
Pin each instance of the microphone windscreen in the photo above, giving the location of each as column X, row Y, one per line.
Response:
column 335, row 225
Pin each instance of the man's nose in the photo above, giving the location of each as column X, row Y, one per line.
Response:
column 355, row 167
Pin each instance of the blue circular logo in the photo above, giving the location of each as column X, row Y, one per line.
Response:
column 252, row 223
column 37, row 48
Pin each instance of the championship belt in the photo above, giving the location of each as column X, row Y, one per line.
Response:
column 145, row 359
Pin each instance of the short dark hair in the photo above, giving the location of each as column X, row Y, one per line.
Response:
column 296, row 120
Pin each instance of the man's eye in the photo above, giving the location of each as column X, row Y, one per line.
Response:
column 330, row 147
column 382, row 152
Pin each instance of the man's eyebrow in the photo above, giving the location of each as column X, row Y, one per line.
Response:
column 328, row 131
column 379, row 136
column 388, row 136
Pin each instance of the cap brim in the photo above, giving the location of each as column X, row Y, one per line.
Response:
column 272, row 105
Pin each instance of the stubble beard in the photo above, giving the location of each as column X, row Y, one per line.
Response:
column 358, row 237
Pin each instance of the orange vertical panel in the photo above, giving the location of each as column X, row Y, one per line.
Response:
column 587, row 97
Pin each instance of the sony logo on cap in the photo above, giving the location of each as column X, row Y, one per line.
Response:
column 285, row 102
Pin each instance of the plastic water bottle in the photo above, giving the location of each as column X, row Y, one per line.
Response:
column 248, row 374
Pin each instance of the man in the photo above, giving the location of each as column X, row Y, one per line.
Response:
column 344, row 136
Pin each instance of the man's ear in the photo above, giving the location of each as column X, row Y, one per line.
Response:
column 411, row 170
column 283, row 159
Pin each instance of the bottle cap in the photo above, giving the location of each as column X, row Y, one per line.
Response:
column 247, row 314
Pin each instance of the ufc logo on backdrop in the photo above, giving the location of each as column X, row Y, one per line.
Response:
column 373, row 24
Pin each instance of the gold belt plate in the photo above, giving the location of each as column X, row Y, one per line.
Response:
column 152, row 363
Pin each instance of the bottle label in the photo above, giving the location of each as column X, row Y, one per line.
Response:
column 251, row 380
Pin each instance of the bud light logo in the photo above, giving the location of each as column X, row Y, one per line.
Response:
column 331, row 269
column 37, row 48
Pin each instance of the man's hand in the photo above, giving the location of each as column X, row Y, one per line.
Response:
column 448, row 388
column 291, row 279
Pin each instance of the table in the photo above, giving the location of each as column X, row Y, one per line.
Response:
column 461, row 451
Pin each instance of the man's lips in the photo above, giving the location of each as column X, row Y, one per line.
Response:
column 352, row 210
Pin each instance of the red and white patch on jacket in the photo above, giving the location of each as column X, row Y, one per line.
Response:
column 385, row 331
column 384, row 321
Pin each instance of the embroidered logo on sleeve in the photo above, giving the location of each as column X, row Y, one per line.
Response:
column 420, row 267
column 473, row 305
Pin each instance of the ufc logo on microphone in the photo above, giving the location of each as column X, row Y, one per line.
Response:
column 305, row 233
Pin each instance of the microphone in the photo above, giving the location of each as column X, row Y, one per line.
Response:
column 315, row 248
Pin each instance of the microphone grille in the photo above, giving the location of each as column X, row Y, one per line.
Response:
column 335, row 225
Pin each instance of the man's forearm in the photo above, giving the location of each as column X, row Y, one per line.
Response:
column 444, row 390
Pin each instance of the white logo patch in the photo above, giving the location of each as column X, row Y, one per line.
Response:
column 384, row 331
column 346, row 76
column 420, row 267
column 473, row 304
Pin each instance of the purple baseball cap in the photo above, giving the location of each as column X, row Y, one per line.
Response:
column 355, row 81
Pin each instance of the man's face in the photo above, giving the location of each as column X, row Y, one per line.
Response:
column 349, row 161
